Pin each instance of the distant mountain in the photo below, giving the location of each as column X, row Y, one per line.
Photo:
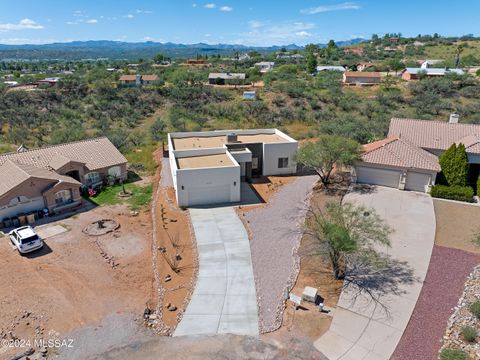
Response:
column 93, row 49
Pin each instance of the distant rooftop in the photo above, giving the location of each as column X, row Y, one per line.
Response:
column 226, row 76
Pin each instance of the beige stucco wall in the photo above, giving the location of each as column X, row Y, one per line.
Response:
column 50, row 194
column 31, row 189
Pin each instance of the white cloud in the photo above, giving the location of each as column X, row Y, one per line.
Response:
column 140, row 11
column 210, row 6
column 129, row 16
column 267, row 33
column 194, row 5
column 92, row 21
column 303, row 34
column 328, row 8
column 72, row 23
column 226, row 8
column 23, row 24
column 20, row 41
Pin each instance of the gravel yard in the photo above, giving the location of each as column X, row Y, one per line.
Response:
column 443, row 286
column 276, row 231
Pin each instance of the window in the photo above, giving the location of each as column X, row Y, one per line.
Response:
column 282, row 163
column 254, row 163
column 92, row 178
column 63, row 197
column 115, row 171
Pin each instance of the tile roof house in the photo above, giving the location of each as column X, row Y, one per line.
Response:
column 408, row 157
column 51, row 177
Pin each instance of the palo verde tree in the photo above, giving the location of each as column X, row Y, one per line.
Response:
column 328, row 152
column 346, row 233
column 454, row 164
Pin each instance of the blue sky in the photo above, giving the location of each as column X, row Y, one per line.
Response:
column 249, row 22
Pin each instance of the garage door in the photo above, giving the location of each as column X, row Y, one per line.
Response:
column 25, row 206
column 417, row 181
column 207, row 195
column 375, row 176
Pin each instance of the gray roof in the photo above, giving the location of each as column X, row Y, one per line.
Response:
column 330, row 68
column 94, row 153
column 434, row 71
column 226, row 76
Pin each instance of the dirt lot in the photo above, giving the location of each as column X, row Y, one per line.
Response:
column 307, row 322
column 456, row 225
column 69, row 284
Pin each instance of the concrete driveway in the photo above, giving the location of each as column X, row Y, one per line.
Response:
column 361, row 330
column 224, row 300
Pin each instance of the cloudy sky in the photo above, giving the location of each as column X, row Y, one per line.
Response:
column 249, row 22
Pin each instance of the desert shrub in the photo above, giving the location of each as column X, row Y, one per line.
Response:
column 459, row 193
column 475, row 309
column 453, row 354
column 469, row 333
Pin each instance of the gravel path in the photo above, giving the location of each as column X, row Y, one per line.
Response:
column 276, row 233
column 447, row 273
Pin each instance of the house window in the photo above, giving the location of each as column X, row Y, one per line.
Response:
column 282, row 163
column 115, row 171
column 92, row 178
column 63, row 197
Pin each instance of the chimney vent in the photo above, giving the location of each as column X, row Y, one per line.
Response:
column 454, row 118
column 232, row 138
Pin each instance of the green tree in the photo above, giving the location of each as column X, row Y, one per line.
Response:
column 454, row 165
column 312, row 63
column 346, row 234
column 328, row 152
column 156, row 129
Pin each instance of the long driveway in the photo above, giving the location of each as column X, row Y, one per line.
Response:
column 224, row 300
column 360, row 330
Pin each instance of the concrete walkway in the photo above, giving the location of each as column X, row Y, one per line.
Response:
column 360, row 330
column 224, row 300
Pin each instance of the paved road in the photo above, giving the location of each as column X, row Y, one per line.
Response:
column 361, row 330
column 224, row 300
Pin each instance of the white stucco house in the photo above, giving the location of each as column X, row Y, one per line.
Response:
column 408, row 158
column 208, row 167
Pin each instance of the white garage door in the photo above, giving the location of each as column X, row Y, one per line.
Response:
column 375, row 176
column 207, row 195
column 25, row 206
column 417, row 181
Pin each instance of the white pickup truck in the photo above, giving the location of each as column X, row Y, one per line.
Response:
column 25, row 239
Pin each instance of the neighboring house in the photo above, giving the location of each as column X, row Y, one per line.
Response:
column 408, row 158
column 363, row 66
column 249, row 95
column 265, row 66
column 416, row 73
column 50, row 177
column 52, row 81
column 138, row 80
column 208, row 167
column 330, row 68
column 425, row 64
column 11, row 83
column 361, row 78
column 353, row 51
column 226, row 78
column 287, row 56
column 196, row 62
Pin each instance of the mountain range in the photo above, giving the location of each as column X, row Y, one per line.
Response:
column 94, row 49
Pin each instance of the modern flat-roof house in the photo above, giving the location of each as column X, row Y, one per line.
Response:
column 416, row 73
column 361, row 78
column 138, row 80
column 208, row 167
column 265, row 66
column 408, row 158
column 226, row 78
column 425, row 64
column 51, row 177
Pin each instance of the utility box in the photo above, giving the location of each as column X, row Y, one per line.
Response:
column 309, row 294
